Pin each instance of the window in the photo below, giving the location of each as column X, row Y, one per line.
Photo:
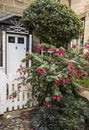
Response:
column 69, row 2
column 20, row 0
column 20, row 40
column 11, row 39
column 57, row 0
column 82, row 37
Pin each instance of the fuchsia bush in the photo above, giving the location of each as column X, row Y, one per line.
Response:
column 56, row 73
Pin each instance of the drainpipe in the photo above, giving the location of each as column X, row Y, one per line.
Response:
column 69, row 1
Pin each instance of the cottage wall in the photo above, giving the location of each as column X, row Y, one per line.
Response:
column 13, row 6
column 81, row 7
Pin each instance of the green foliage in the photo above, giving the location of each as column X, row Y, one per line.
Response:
column 53, row 23
column 70, row 114
column 55, row 74
column 56, row 78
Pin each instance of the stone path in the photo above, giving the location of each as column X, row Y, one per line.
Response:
column 17, row 120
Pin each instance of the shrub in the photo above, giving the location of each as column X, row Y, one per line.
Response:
column 55, row 78
column 55, row 74
column 53, row 23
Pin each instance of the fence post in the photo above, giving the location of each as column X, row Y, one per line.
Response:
column 2, row 93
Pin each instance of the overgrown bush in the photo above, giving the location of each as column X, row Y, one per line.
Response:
column 56, row 73
column 52, row 22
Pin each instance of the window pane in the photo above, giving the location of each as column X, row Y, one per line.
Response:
column 20, row 40
column 11, row 39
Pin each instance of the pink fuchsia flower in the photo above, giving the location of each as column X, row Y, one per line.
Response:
column 55, row 85
column 73, row 73
column 78, row 73
column 83, row 89
column 74, row 46
column 86, row 55
column 61, row 52
column 31, row 129
column 19, row 87
column 24, row 72
column 41, row 71
column 40, row 48
column 57, row 82
column 85, row 76
column 87, row 64
column 54, row 97
column 11, row 97
column 59, row 98
column 87, row 46
column 47, row 104
column 66, row 80
column 51, row 50
column 21, row 66
column 70, row 65
column 20, row 72
column 69, row 72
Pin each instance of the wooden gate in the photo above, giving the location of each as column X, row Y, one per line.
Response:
column 7, row 87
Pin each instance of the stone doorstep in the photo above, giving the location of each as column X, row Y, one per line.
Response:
column 85, row 94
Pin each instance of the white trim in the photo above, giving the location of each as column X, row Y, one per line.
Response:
column 30, row 47
column 9, row 16
column 30, row 43
column 3, row 47
column 2, row 93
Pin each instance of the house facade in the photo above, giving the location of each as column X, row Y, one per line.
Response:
column 81, row 7
column 15, row 39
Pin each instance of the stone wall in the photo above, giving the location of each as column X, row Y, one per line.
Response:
column 81, row 7
column 13, row 6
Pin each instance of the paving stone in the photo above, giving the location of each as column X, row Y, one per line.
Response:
column 16, row 128
column 22, row 128
column 16, row 121
column 5, row 129
column 1, row 128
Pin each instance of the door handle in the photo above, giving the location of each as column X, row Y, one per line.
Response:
column 16, row 47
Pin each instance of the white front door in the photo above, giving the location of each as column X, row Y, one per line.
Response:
column 16, row 50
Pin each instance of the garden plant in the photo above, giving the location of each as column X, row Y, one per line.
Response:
column 57, row 78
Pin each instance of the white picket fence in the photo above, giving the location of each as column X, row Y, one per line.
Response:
column 7, row 87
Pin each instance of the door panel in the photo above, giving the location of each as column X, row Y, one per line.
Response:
column 16, row 50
